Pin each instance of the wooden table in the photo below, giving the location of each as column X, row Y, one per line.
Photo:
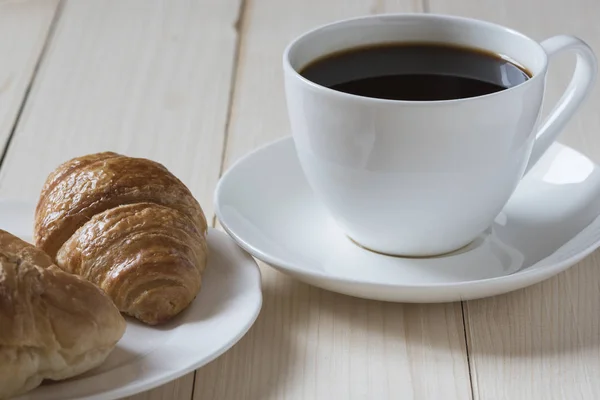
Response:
column 196, row 84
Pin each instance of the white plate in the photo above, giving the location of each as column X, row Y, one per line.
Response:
column 550, row 223
column 147, row 357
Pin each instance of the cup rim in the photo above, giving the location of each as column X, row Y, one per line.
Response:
column 288, row 68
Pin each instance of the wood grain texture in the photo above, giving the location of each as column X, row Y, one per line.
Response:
column 309, row 343
column 180, row 389
column 146, row 78
column 542, row 342
column 24, row 27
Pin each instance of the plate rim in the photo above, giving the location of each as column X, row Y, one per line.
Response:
column 527, row 274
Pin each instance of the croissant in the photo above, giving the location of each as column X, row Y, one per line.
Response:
column 53, row 325
column 129, row 226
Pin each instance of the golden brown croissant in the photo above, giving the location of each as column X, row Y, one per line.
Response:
column 129, row 226
column 53, row 325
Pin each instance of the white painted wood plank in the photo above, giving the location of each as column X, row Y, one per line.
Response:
column 542, row 342
column 24, row 27
column 180, row 389
column 146, row 78
column 308, row 343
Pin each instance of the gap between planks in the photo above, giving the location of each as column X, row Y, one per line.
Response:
column 239, row 29
column 36, row 68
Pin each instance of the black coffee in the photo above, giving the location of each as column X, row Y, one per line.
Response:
column 415, row 71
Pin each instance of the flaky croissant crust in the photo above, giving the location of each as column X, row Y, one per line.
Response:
column 85, row 186
column 129, row 226
column 148, row 258
column 53, row 325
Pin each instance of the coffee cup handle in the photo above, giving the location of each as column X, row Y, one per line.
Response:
column 579, row 87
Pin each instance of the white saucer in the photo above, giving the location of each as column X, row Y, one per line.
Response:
column 147, row 357
column 550, row 223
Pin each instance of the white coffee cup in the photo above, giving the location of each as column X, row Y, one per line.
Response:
column 422, row 178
